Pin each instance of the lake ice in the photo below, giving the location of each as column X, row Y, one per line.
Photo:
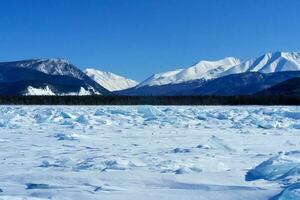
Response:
column 150, row 152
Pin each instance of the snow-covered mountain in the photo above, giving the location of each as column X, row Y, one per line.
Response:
column 110, row 81
column 247, row 83
column 59, row 77
column 202, row 70
column 186, row 81
column 46, row 77
column 206, row 70
column 52, row 66
column 268, row 63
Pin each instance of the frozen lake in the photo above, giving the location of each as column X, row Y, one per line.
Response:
column 149, row 152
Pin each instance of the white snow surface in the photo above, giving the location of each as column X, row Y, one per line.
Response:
column 202, row 70
column 149, row 152
column 110, row 81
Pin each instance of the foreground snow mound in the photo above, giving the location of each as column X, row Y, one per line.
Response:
column 290, row 193
column 149, row 112
column 283, row 168
column 276, row 168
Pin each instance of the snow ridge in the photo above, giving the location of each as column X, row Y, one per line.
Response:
column 52, row 66
column 110, row 81
column 202, row 70
column 269, row 63
column 206, row 70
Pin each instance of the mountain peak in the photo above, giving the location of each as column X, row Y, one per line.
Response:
column 284, row 54
column 55, row 60
column 269, row 63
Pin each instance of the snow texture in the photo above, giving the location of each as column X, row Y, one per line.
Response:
column 149, row 152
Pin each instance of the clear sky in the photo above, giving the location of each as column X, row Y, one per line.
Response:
column 136, row 38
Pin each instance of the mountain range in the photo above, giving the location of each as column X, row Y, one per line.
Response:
column 228, row 76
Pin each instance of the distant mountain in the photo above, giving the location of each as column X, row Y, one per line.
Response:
column 289, row 87
column 268, row 63
column 163, row 90
column 228, row 76
column 202, row 70
column 247, row 83
column 110, row 81
column 210, row 77
column 46, row 76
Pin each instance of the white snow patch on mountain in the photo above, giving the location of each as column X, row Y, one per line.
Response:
column 110, row 81
column 32, row 91
column 83, row 92
column 202, row 70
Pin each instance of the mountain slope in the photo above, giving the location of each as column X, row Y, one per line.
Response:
column 162, row 90
column 110, row 81
column 289, row 87
column 268, row 63
column 202, row 70
column 52, row 72
column 236, row 84
column 33, row 88
column 242, row 84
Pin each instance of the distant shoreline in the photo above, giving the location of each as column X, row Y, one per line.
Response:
column 150, row 100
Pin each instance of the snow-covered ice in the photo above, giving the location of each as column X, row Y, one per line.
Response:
column 149, row 152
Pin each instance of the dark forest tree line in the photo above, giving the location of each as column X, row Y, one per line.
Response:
column 150, row 100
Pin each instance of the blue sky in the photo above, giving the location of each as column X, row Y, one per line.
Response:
column 136, row 38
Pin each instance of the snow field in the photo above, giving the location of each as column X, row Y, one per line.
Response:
column 148, row 152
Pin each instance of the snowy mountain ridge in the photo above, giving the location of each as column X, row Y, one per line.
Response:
column 202, row 70
column 206, row 70
column 51, row 66
column 110, row 81
column 269, row 63
column 59, row 77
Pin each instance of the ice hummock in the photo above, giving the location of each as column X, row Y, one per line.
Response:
column 154, row 152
